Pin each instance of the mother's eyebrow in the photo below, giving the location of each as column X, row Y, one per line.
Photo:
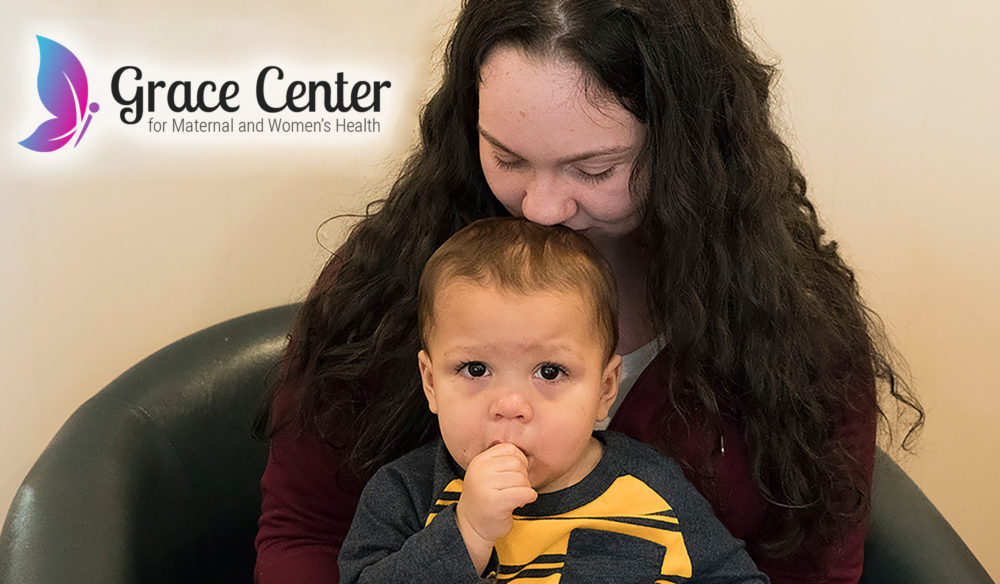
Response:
column 574, row 158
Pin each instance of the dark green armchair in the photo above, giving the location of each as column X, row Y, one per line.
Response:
column 156, row 479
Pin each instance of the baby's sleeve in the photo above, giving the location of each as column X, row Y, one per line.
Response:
column 388, row 543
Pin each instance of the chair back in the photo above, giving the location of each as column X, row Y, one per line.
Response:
column 157, row 477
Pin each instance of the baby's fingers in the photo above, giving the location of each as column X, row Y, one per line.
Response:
column 519, row 496
column 506, row 450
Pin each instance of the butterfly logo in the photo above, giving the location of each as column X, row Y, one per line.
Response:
column 62, row 88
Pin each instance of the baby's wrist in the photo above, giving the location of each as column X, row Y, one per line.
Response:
column 480, row 548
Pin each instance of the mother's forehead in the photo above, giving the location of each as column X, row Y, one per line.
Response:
column 559, row 81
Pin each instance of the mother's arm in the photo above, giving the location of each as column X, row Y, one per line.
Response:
column 839, row 562
column 308, row 504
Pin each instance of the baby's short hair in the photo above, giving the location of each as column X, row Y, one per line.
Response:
column 519, row 256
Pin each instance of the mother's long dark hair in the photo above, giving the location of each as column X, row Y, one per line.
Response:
column 764, row 318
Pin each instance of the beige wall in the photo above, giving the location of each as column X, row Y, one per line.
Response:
column 130, row 241
column 891, row 107
column 127, row 243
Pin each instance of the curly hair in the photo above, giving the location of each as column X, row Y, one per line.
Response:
column 764, row 318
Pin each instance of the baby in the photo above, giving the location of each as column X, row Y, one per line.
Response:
column 518, row 324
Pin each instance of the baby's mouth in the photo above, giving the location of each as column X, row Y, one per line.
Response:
column 496, row 442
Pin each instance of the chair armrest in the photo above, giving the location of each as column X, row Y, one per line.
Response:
column 909, row 541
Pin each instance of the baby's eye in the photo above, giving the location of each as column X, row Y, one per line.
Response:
column 550, row 371
column 473, row 368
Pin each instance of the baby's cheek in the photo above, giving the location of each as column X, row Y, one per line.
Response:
column 458, row 445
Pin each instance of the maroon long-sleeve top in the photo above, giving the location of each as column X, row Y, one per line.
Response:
column 309, row 502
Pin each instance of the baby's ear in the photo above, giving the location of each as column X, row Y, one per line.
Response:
column 427, row 379
column 609, row 386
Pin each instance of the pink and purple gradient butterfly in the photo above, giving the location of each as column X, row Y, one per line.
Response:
column 62, row 87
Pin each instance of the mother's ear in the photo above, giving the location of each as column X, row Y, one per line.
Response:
column 427, row 379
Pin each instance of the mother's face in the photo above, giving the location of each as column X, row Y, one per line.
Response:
column 552, row 153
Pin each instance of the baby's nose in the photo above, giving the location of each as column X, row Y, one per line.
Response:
column 511, row 406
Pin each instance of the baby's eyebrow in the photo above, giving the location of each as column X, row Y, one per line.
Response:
column 486, row 351
column 612, row 150
column 466, row 352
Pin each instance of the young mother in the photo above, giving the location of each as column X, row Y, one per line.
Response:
column 750, row 357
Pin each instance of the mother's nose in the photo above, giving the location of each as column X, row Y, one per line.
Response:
column 547, row 201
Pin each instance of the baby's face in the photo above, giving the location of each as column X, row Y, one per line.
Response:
column 530, row 370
